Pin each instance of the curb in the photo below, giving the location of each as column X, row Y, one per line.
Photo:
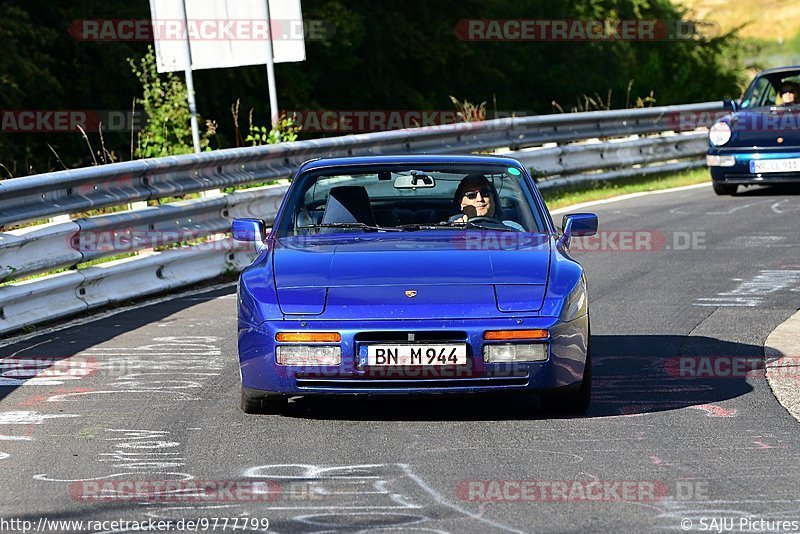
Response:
column 781, row 362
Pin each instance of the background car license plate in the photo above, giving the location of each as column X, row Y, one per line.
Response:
column 775, row 165
column 391, row 355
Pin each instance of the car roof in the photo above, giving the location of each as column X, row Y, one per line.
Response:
column 408, row 159
column 776, row 70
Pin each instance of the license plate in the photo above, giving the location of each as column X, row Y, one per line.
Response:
column 425, row 355
column 774, row 165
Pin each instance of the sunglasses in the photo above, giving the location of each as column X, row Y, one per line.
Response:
column 472, row 195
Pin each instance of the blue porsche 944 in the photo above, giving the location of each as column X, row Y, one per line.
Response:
column 758, row 142
column 413, row 275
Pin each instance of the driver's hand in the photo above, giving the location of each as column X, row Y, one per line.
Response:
column 461, row 219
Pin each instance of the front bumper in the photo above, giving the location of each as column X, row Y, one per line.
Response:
column 563, row 369
column 741, row 174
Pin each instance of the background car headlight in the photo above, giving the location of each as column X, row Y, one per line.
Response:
column 515, row 353
column 720, row 133
column 308, row 355
column 720, row 161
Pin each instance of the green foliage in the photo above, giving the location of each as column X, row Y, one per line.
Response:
column 283, row 131
column 167, row 130
column 392, row 54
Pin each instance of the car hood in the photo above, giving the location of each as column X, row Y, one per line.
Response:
column 446, row 274
column 762, row 128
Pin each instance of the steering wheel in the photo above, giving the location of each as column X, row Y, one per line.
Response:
column 484, row 219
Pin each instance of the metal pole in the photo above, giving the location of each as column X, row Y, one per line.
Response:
column 273, row 92
column 190, row 82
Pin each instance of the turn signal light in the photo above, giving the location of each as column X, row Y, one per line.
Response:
column 512, row 335
column 308, row 337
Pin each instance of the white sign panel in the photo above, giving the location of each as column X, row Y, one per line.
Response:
column 226, row 33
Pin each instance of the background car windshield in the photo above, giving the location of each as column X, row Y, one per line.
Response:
column 374, row 199
column 763, row 92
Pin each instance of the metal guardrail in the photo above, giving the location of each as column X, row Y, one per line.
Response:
column 587, row 145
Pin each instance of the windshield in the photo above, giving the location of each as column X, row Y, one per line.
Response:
column 411, row 198
column 776, row 89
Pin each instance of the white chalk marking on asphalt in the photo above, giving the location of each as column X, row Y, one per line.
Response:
column 3, row 455
column 316, row 520
column 442, row 501
column 382, row 482
column 16, row 438
column 63, row 397
column 43, row 477
column 752, row 292
column 755, row 241
column 7, row 382
column 737, row 208
column 776, row 207
column 28, row 418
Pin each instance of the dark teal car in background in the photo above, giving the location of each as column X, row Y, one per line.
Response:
column 758, row 142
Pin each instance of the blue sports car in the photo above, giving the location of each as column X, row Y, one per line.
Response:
column 411, row 275
column 758, row 142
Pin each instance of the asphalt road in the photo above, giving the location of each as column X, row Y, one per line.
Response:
column 152, row 395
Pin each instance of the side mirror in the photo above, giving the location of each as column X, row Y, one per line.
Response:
column 250, row 230
column 579, row 225
column 729, row 105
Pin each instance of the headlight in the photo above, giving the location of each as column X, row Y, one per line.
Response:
column 308, row 355
column 720, row 161
column 515, row 353
column 720, row 133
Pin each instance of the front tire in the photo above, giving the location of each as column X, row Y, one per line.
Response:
column 256, row 402
column 724, row 189
column 575, row 402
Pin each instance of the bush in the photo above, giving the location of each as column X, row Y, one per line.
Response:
column 167, row 127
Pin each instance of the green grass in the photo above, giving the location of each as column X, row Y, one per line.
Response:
column 587, row 191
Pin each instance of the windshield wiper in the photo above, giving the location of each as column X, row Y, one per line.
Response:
column 425, row 226
column 500, row 227
column 450, row 225
column 358, row 225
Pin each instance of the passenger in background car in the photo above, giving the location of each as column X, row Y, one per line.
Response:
column 789, row 94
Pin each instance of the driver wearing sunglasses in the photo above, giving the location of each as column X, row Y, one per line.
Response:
column 475, row 198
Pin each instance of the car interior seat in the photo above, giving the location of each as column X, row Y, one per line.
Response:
column 348, row 204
